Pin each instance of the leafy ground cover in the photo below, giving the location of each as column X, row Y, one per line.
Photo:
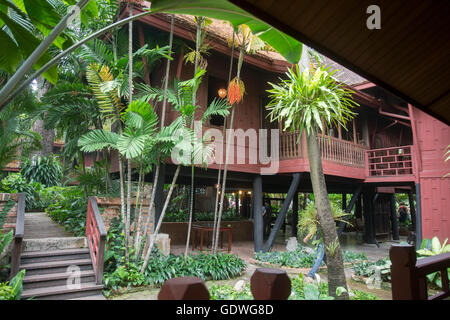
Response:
column 221, row 266
column 301, row 290
column 302, row 258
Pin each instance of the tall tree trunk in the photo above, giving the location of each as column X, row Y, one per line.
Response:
column 128, row 216
column 194, row 98
column 225, row 169
column 138, row 244
column 122, row 201
column 48, row 136
column 219, row 174
column 161, row 218
column 335, row 264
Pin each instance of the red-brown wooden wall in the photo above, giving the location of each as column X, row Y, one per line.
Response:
column 433, row 136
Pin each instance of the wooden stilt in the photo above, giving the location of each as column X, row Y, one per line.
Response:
column 282, row 214
column 257, row 214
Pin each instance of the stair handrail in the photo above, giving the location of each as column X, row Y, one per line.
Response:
column 409, row 275
column 18, row 235
column 96, row 238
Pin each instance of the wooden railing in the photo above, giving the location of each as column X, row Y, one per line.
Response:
column 18, row 235
column 331, row 149
column 96, row 237
column 342, row 151
column 289, row 148
column 395, row 161
column 408, row 275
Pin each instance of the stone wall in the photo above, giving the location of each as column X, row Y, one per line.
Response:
column 8, row 219
column 110, row 209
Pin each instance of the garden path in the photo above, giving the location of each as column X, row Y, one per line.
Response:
column 38, row 226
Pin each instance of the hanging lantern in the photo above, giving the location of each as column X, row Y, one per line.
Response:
column 222, row 93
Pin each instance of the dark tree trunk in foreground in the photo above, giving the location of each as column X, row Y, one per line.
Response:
column 335, row 264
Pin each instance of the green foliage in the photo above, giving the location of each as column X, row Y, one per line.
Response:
column 180, row 215
column 13, row 289
column 299, row 258
column 431, row 248
column 287, row 46
column 362, row 295
column 351, row 256
column 308, row 222
column 308, row 291
column 368, row 268
column 68, row 208
column 300, row 291
column 304, row 99
column 16, row 183
column 227, row 292
column 45, row 170
column 161, row 268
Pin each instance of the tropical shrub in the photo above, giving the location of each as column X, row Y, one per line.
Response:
column 69, row 209
column 160, row 268
column 45, row 170
column 16, row 183
column 368, row 269
column 351, row 256
column 431, row 248
column 299, row 258
column 180, row 215
column 227, row 292
column 300, row 291
column 13, row 289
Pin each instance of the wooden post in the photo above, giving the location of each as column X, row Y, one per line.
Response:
column 295, row 215
column 349, row 208
column 282, row 214
column 412, row 210
column 344, row 201
column 368, row 217
column 257, row 213
column 403, row 278
column 394, row 220
column 418, row 229
column 355, row 138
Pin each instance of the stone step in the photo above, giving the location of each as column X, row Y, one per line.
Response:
column 97, row 297
column 56, row 266
column 55, row 255
column 56, row 279
column 54, row 244
column 63, row 292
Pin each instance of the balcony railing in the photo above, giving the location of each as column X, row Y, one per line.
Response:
column 395, row 161
column 331, row 149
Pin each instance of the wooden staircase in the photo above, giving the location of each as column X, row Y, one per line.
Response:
column 60, row 275
column 57, row 265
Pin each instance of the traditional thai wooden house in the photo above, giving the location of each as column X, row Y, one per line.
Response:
column 390, row 147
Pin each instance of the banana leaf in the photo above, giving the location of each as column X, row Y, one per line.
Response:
column 288, row 47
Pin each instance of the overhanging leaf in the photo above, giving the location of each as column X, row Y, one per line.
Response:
column 287, row 46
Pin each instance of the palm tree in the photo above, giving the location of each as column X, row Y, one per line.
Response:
column 248, row 43
column 140, row 127
column 188, row 145
column 309, row 102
